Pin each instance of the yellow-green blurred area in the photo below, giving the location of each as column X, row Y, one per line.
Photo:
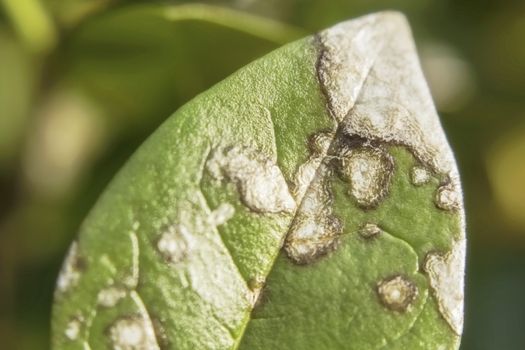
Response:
column 84, row 82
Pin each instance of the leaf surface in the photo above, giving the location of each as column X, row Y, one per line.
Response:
column 308, row 201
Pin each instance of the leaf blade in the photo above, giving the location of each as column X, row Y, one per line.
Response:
column 208, row 227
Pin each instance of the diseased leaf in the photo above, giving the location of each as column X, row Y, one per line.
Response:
column 309, row 201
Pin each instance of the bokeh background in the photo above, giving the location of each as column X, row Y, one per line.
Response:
column 84, row 82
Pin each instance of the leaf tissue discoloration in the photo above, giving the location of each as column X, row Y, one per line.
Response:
column 375, row 89
column 175, row 243
column 368, row 170
column 448, row 197
column 397, row 293
column 72, row 269
column 446, row 279
column 347, row 171
column 369, row 230
column 110, row 296
column 73, row 328
column 259, row 180
column 132, row 333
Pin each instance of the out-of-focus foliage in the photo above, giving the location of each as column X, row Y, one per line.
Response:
column 77, row 101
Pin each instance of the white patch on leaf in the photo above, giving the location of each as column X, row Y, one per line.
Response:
column 397, row 293
column 419, row 175
column 175, row 243
column 73, row 328
column 71, row 269
column 446, row 279
column 131, row 333
column 110, row 296
column 369, row 171
column 371, row 74
column 259, row 180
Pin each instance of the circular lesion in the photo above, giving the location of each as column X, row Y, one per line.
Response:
column 397, row 293
column 369, row 171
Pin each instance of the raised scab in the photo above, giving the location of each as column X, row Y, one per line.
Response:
column 369, row 230
column 448, row 197
column 397, row 293
column 258, row 179
column 419, row 175
column 368, row 170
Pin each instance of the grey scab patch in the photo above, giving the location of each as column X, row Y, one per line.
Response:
column 132, row 333
column 369, row 171
column 369, row 230
column 259, row 180
column 419, row 175
column 448, row 197
column 175, row 243
column 110, row 296
column 72, row 269
column 397, row 293
column 445, row 272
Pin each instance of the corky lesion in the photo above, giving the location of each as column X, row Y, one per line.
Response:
column 368, row 170
column 397, row 293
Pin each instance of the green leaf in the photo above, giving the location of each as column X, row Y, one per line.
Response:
column 308, row 201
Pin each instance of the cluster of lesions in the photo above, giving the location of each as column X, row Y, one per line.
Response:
column 367, row 168
column 123, row 332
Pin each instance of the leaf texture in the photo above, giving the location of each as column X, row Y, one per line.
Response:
column 308, row 201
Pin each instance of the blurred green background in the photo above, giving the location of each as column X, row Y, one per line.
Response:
column 84, row 82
